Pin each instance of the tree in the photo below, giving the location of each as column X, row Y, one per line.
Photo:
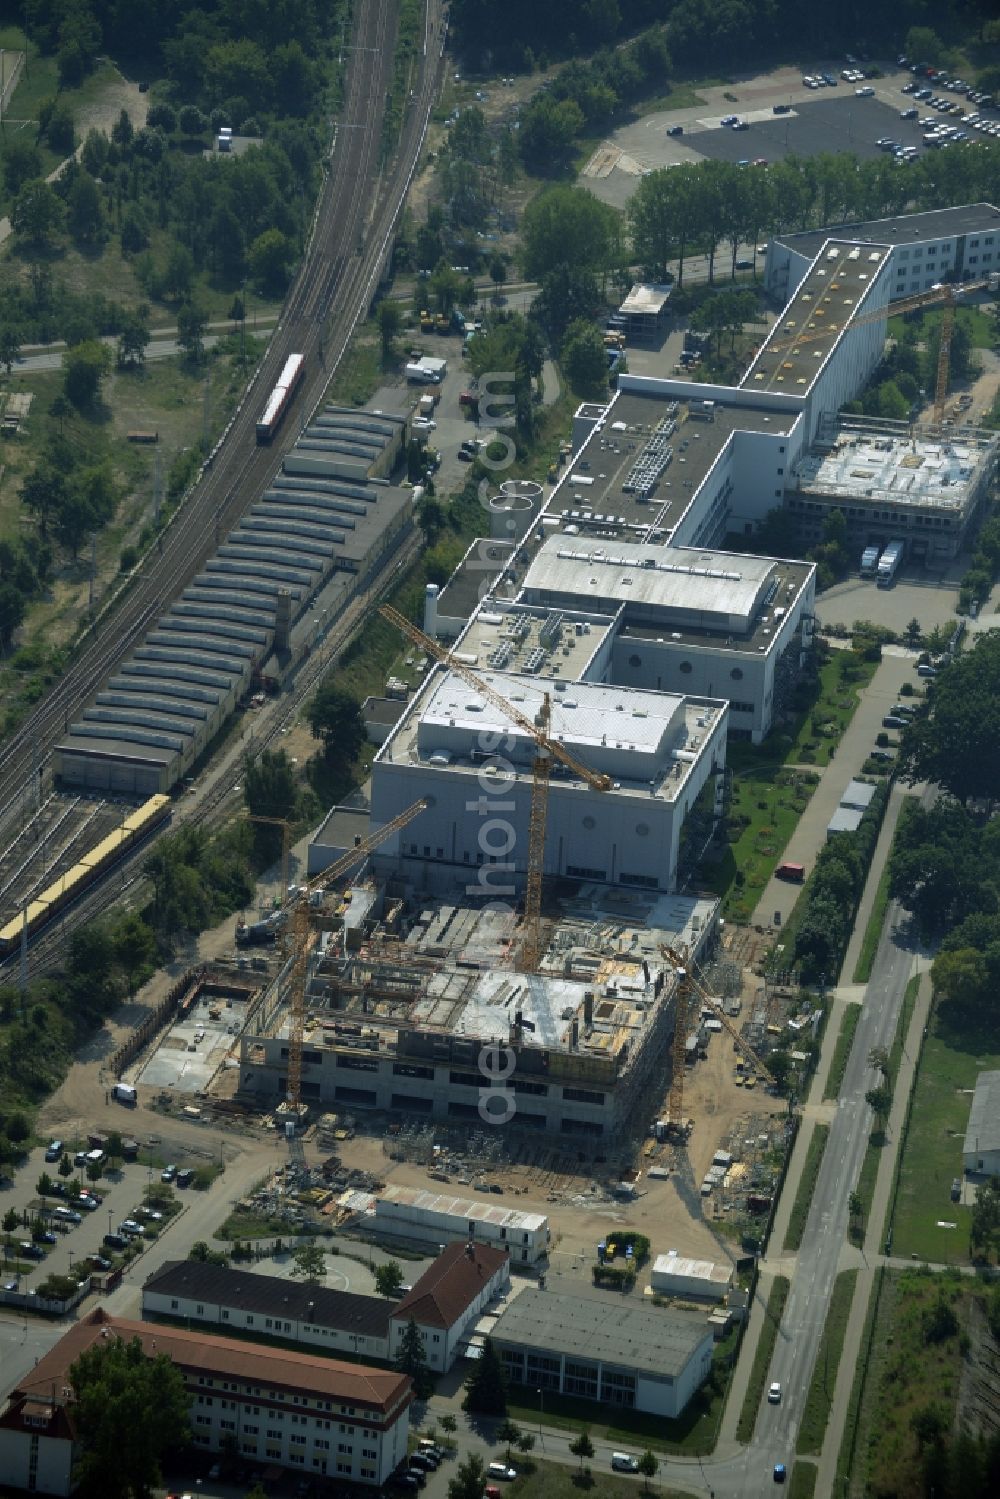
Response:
column 449, row 1424
column 94, row 1171
column 912, row 634
column 878, row 1058
column 486, row 1384
column 310, row 1261
column 36, row 213
column 135, row 946
column 269, row 791
column 498, row 270
column 526, row 1442
column 411, row 1359
column 85, row 210
column 192, row 325
column 11, row 339
column 65, row 1166
column 582, row 1447
column 192, row 121
column 855, row 1206
column 939, row 1320
column 130, row 1412
column 390, row 320
column 963, row 978
column 22, row 162
column 389, row 1280
column 566, row 226
column 929, row 1425
column 584, row 359
column 204, row 1254
column 228, row 241
column 163, row 117
column 179, row 273
column 469, row 1481
column 334, row 716
column 84, row 367
column 953, row 744
column 133, row 337
column 985, row 1229
column 879, row 1100
column 121, row 130
column 12, row 612
column 648, row 1467
column 508, row 1432
column 270, row 260
column 548, row 130
column 43, row 1186
column 566, row 295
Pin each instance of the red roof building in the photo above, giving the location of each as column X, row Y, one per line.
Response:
column 450, row 1297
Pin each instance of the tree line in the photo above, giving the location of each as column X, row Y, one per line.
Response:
column 700, row 33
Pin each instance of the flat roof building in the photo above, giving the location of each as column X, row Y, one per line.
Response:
column 938, row 244
column 413, row 1214
column 632, row 1357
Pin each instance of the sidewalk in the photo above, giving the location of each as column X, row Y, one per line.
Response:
column 871, row 1255
column 852, row 752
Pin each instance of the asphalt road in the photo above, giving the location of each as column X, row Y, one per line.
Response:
column 158, row 348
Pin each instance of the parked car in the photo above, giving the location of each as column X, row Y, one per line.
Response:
column 893, row 721
column 501, row 1470
column 956, row 1189
column 54, row 1151
column 100, row 1262
column 676, row 130
column 45, row 1236
column 168, row 1174
column 31, row 1251
column 68, row 1215
column 80, row 1159
column 185, row 1176
column 115, row 1241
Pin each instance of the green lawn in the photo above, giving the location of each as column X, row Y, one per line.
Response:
column 953, row 1055
column 877, row 1142
column 980, row 325
column 842, row 1050
column 820, row 1397
column 807, row 1185
column 552, row 1481
column 802, row 1484
column 845, row 1457
column 873, row 931
column 252, row 1226
column 762, row 1357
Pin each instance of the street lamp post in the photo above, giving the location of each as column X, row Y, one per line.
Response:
column 541, row 1409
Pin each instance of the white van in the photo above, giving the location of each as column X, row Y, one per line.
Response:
column 501, row 1470
column 624, row 1462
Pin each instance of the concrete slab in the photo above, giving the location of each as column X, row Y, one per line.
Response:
column 194, row 1048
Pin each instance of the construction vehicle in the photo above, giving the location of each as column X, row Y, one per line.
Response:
column 546, row 750
column 942, row 294
column 442, row 323
column 426, row 321
column 688, row 987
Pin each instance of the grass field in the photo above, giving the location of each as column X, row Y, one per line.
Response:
column 845, row 1457
column 552, row 1481
column 820, row 1397
column 873, row 931
column 807, row 1185
column 908, row 1371
column 954, row 1053
column 802, row 1484
column 877, row 1142
column 842, row 1050
column 762, row 1357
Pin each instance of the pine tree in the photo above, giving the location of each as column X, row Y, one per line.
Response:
column 412, row 1360
column 486, row 1386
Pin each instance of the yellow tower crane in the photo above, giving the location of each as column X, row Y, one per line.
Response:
column 688, row 987
column 547, row 749
column 304, row 938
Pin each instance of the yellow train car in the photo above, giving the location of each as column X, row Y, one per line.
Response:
column 103, row 856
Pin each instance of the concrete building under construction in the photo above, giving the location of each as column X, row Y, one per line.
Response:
column 432, row 1020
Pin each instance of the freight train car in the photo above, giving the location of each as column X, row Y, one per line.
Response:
column 281, row 397
column 104, row 856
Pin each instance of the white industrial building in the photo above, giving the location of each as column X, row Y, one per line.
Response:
column 941, row 244
column 981, row 1151
column 634, row 1357
column 675, row 1275
column 408, row 1213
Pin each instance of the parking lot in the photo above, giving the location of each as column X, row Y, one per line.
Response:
column 830, row 119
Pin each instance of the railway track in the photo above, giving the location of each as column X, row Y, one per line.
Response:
column 334, row 286
column 352, row 232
